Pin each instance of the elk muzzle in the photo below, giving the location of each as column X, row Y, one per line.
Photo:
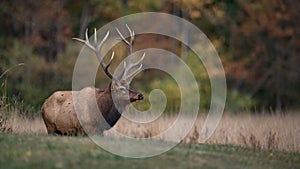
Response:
column 135, row 96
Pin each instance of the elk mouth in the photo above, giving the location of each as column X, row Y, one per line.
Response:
column 137, row 97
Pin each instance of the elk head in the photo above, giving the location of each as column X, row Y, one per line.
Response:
column 121, row 91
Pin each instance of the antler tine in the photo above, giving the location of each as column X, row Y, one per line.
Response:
column 95, row 36
column 97, row 49
column 131, row 65
column 122, row 37
column 107, row 65
column 134, row 72
column 123, row 71
column 124, row 74
column 86, row 41
column 130, row 42
column 131, row 34
column 101, row 43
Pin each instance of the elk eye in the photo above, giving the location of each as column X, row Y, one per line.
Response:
column 122, row 89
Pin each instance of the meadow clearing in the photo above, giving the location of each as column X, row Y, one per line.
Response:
column 258, row 46
column 42, row 151
column 268, row 132
column 246, row 140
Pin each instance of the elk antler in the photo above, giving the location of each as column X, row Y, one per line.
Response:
column 97, row 49
column 124, row 75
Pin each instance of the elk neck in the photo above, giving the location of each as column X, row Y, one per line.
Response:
column 107, row 107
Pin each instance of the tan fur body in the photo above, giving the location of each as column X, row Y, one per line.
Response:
column 60, row 117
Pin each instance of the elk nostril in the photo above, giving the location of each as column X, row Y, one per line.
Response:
column 141, row 97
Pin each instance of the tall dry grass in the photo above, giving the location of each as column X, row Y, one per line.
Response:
column 270, row 132
column 13, row 119
column 18, row 124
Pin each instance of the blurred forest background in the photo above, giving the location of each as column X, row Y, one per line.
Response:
column 258, row 42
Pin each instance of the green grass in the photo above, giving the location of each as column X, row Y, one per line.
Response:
column 33, row 151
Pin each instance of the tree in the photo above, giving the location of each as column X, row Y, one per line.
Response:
column 264, row 47
column 42, row 24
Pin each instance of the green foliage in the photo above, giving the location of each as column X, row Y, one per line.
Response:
column 38, row 78
column 237, row 101
column 171, row 90
column 201, row 76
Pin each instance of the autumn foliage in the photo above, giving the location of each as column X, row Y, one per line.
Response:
column 258, row 42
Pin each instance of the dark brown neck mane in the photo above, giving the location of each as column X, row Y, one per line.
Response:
column 107, row 107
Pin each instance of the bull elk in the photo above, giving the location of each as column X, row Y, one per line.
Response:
column 58, row 111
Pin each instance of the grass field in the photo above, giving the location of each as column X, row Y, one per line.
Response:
column 41, row 151
column 240, row 141
column 268, row 132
